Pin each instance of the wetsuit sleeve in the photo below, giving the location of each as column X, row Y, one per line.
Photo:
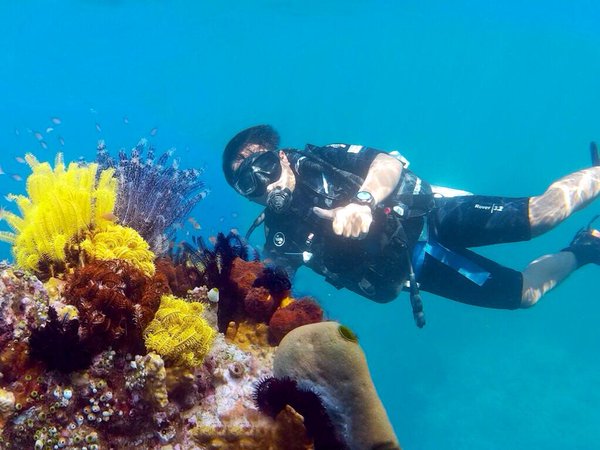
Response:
column 354, row 158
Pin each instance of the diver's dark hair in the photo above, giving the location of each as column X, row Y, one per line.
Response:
column 263, row 135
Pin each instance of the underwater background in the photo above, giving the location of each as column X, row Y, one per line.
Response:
column 498, row 99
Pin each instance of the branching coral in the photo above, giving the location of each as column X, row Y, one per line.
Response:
column 115, row 301
column 178, row 332
column 60, row 204
column 117, row 242
column 152, row 195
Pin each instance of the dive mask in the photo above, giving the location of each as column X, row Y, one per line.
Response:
column 256, row 172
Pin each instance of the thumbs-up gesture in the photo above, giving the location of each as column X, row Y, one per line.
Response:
column 351, row 221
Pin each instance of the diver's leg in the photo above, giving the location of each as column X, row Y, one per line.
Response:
column 544, row 274
column 562, row 198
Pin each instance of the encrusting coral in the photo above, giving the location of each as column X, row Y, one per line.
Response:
column 61, row 203
column 179, row 333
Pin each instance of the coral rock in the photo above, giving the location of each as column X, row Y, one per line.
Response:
column 326, row 358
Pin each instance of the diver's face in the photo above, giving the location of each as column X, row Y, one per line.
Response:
column 259, row 175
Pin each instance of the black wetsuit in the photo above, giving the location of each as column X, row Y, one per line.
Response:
column 434, row 234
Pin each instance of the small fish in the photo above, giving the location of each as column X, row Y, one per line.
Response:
column 194, row 223
column 213, row 295
column 16, row 177
column 153, row 131
column 2, row 172
column 20, row 159
column 110, row 216
column 235, row 231
column 98, row 127
column 56, row 120
column 17, row 132
column 39, row 136
column 49, row 130
column 61, row 141
column 221, row 219
column 125, row 120
column 43, row 145
column 212, row 240
column 93, row 111
column 234, row 215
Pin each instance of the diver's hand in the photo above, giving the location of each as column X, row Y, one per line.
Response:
column 352, row 220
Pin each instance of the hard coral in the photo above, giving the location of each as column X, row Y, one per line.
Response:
column 115, row 301
column 61, row 204
column 297, row 313
column 152, row 195
column 117, row 242
column 326, row 358
column 178, row 332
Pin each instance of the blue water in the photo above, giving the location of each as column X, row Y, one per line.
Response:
column 493, row 98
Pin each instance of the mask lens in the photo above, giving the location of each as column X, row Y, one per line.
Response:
column 257, row 172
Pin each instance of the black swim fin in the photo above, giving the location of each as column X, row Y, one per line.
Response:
column 594, row 153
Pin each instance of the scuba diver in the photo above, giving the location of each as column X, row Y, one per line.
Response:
column 360, row 218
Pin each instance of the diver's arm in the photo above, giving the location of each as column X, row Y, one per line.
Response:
column 354, row 219
column 383, row 177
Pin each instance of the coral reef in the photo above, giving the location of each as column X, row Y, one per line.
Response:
column 179, row 333
column 153, row 195
column 103, row 355
column 61, row 204
column 326, row 359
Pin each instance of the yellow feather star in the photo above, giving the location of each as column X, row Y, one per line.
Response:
column 179, row 333
column 60, row 204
